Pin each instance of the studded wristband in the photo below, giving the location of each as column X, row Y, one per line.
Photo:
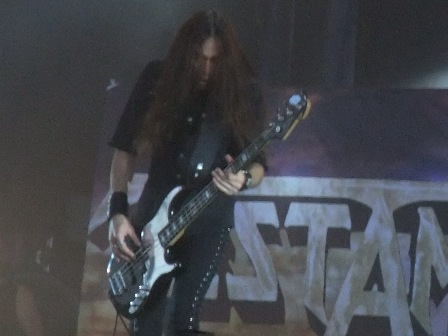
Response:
column 248, row 182
column 118, row 204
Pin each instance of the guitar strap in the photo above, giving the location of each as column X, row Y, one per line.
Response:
column 207, row 145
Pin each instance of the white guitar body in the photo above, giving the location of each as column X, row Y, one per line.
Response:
column 130, row 283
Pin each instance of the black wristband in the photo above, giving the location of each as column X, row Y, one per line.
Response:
column 118, row 204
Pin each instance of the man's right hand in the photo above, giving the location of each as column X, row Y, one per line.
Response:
column 119, row 229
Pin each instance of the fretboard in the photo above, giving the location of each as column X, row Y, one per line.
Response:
column 205, row 197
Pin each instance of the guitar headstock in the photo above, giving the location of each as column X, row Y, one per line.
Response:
column 295, row 109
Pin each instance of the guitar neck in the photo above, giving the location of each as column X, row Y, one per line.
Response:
column 198, row 203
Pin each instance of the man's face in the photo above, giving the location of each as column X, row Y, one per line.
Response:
column 207, row 62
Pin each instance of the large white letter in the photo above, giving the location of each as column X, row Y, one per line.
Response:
column 318, row 218
column 262, row 286
column 431, row 251
column 380, row 240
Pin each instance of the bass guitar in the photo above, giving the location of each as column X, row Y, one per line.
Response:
column 130, row 283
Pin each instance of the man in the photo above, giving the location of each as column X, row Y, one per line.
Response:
column 194, row 113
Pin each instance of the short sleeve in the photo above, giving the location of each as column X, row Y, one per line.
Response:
column 136, row 107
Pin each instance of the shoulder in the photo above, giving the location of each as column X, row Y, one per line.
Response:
column 152, row 69
column 150, row 73
column 145, row 82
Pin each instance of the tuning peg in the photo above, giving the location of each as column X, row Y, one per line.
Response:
column 295, row 99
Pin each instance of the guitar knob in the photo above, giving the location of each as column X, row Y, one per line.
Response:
column 134, row 305
column 137, row 301
column 143, row 289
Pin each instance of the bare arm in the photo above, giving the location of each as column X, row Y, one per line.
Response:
column 122, row 170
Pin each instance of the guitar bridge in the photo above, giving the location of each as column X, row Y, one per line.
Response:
column 117, row 283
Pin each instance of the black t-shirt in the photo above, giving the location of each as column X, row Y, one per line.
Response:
column 182, row 160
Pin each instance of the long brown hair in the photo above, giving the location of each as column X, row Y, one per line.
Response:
column 230, row 95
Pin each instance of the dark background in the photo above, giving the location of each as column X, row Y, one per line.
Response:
column 58, row 57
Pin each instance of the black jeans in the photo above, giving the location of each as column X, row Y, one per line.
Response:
column 199, row 255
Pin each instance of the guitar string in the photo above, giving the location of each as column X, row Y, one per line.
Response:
column 125, row 269
column 141, row 255
column 198, row 202
column 168, row 235
column 142, row 252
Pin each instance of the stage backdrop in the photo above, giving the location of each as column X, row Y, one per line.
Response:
column 345, row 236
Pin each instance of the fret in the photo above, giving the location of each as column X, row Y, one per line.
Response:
column 198, row 203
column 250, row 152
column 187, row 214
